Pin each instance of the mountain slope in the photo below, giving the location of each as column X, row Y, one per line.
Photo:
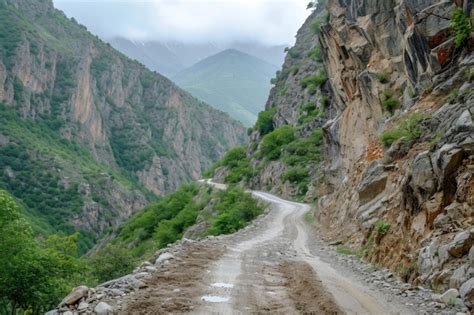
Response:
column 231, row 81
column 375, row 125
column 89, row 136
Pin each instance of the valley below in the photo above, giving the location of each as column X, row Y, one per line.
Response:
column 277, row 264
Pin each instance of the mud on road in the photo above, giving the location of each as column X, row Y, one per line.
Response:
column 272, row 266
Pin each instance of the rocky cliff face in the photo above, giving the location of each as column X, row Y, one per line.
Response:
column 396, row 179
column 129, row 120
column 421, row 183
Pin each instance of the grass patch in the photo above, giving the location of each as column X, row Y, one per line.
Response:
column 382, row 227
column 309, row 217
column 315, row 54
column 347, row 251
column 389, row 102
column 409, row 128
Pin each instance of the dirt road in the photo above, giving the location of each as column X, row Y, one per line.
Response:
column 273, row 269
column 274, row 266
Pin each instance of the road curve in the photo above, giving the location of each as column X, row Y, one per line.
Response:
column 272, row 267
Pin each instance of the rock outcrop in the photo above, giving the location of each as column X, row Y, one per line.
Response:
column 396, row 177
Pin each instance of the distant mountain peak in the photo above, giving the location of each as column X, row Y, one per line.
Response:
column 232, row 81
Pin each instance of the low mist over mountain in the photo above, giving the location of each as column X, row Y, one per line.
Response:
column 169, row 58
column 232, row 81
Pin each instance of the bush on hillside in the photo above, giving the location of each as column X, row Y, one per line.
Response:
column 295, row 174
column 273, row 142
column 235, row 209
column 33, row 276
column 264, row 123
column 409, row 128
column 461, row 26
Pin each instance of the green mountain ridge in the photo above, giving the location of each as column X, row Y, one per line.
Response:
column 88, row 136
column 231, row 81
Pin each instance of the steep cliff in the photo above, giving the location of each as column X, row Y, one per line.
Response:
column 402, row 178
column 395, row 177
column 95, row 126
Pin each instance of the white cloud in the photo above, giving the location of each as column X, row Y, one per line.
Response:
column 267, row 21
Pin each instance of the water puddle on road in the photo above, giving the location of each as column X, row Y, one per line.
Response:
column 222, row 285
column 215, row 298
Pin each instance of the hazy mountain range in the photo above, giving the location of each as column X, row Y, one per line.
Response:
column 232, row 81
column 169, row 58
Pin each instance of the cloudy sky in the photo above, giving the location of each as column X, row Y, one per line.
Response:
column 268, row 21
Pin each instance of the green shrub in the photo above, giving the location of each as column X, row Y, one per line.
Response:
column 235, row 209
column 408, row 128
column 264, row 123
column 233, row 156
column 391, row 104
column 325, row 101
column 391, row 136
column 313, row 82
column 34, row 275
column 308, row 112
column 273, row 142
column 113, row 262
column 383, row 77
column 461, row 26
column 237, row 163
column 302, row 151
column 315, row 54
column 294, row 70
column 295, row 174
column 382, row 227
column 276, row 78
column 293, row 53
column 315, row 26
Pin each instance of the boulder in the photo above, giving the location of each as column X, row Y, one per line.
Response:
column 423, row 178
column 461, row 244
column 52, row 312
column 459, row 276
column 425, row 258
column 82, row 306
column 163, row 257
column 75, row 295
column 449, row 296
column 374, row 182
column 467, row 292
column 103, row 309
column 448, row 159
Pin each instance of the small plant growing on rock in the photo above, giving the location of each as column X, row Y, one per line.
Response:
column 409, row 128
column 315, row 54
column 382, row 227
column 294, row 70
column 325, row 101
column 315, row 26
column 390, row 104
column 313, row 82
column 461, row 26
column 383, row 77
